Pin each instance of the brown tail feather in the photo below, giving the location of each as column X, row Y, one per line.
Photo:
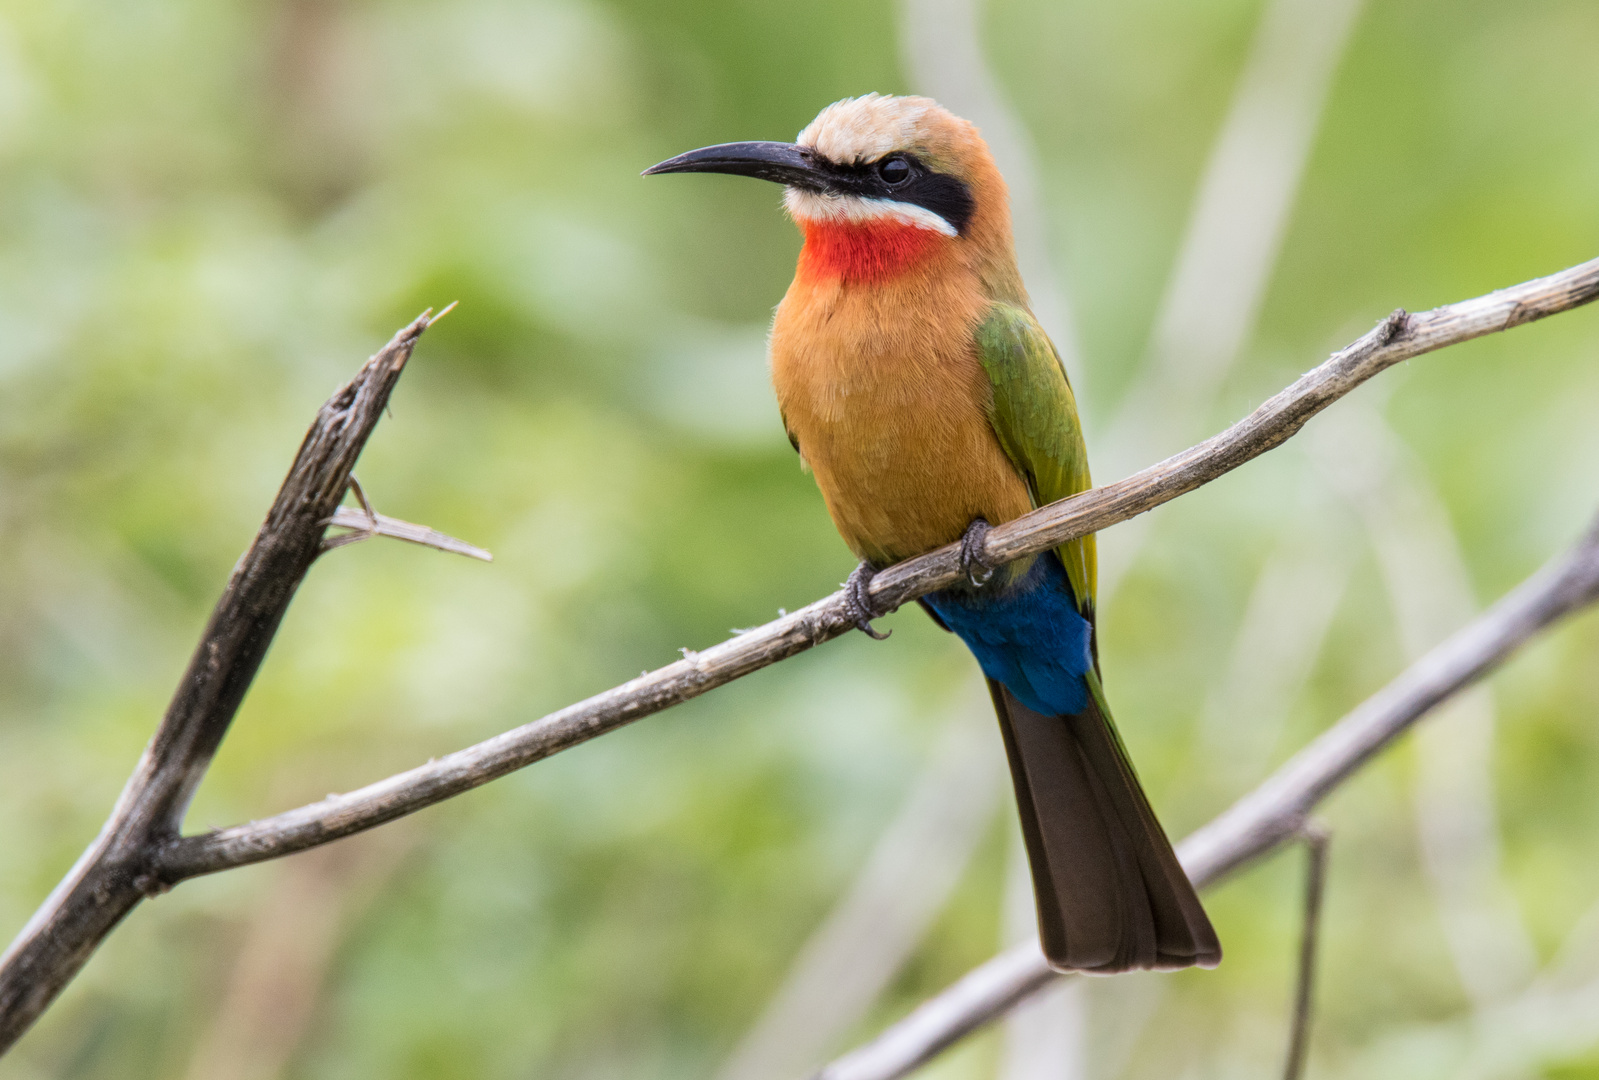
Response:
column 1111, row 894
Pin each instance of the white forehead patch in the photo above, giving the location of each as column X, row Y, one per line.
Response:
column 863, row 129
column 855, row 210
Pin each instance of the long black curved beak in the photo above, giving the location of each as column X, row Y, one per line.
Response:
column 784, row 163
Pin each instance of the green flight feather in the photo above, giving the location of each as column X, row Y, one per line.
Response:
column 1034, row 414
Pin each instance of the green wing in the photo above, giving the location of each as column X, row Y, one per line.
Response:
column 1035, row 416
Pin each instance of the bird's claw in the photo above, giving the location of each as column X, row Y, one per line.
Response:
column 858, row 602
column 973, row 559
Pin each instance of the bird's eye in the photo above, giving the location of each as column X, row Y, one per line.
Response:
column 894, row 170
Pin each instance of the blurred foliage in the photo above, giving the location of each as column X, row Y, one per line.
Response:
column 213, row 211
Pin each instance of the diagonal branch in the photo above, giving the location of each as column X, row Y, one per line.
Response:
column 1399, row 337
column 1272, row 813
column 139, row 853
column 118, row 869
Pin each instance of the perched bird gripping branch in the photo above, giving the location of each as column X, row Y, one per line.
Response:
column 927, row 401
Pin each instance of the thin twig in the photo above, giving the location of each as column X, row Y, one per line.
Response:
column 367, row 523
column 360, row 496
column 1267, row 816
column 1399, row 337
column 1315, row 837
column 118, row 869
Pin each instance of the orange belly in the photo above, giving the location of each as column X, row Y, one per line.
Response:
column 889, row 407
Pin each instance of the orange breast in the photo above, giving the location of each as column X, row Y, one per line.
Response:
column 880, row 386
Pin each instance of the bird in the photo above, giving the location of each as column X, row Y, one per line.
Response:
column 929, row 405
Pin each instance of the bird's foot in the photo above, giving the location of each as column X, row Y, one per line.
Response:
column 858, row 601
column 973, row 559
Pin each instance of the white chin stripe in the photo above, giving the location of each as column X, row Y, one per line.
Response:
column 815, row 206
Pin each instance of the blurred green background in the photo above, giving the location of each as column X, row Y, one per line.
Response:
column 211, row 212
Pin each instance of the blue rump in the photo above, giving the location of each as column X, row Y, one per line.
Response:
column 1028, row 636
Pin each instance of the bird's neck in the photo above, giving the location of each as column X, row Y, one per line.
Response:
column 867, row 251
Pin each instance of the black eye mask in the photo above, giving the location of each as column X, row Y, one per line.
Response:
column 900, row 177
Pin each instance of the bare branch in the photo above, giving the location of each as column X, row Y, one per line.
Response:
column 117, row 870
column 1270, row 814
column 1315, row 837
column 1399, row 337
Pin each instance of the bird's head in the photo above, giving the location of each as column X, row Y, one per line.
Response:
column 882, row 183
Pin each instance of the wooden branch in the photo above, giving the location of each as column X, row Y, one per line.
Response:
column 1272, row 813
column 118, row 869
column 1399, row 337
column 139, row 853
column 1316, row 839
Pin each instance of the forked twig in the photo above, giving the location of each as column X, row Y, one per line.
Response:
column 120, row 867
column 366, row 523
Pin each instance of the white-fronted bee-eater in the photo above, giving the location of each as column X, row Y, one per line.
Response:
column 928, row 403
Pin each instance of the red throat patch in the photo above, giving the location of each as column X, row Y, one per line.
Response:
column 863, row 251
